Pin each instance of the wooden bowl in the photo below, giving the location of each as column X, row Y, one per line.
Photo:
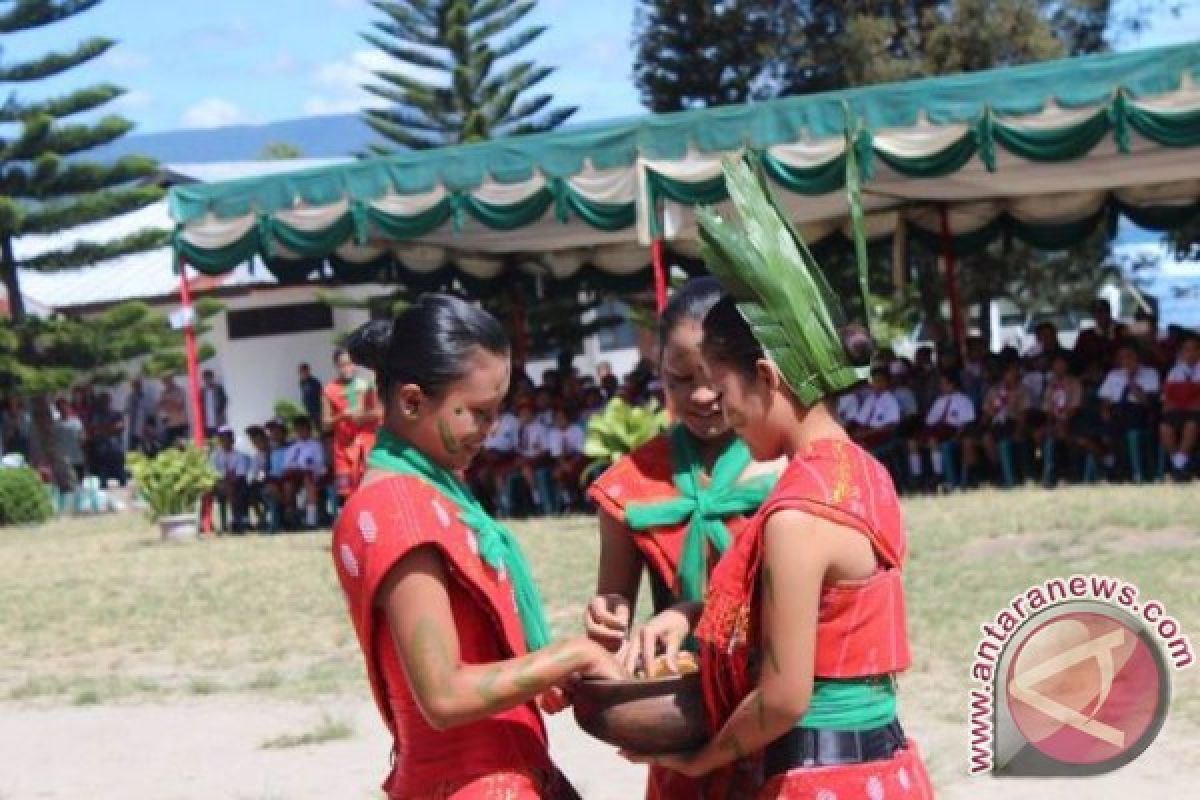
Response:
column 654, row 716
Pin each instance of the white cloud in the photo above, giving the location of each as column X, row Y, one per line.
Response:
column 282, row 63
column 212, row 112
column 123, row 59
column 338, row 84
column 133, row 101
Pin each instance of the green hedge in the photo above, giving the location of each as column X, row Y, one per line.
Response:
column 23, row 498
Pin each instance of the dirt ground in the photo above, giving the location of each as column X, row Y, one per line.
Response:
column 212, row 748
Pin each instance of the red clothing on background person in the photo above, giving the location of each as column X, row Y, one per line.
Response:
column 352, row 440
column 505, row 755
column 861, row 629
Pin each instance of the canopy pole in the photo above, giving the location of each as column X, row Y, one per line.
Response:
column 660, row 275
column 956, row 316
column 189, row 350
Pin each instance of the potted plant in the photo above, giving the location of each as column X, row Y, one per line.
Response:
column 172, row 484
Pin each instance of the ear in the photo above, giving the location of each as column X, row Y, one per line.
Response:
column 768, row 374
column 408, row 398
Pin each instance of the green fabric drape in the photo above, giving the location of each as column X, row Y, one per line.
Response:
column 703, row 507
column 497, row 546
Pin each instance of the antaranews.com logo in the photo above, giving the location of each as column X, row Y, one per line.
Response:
column 1072, row 678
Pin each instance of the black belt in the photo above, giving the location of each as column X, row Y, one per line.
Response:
column 815, row 747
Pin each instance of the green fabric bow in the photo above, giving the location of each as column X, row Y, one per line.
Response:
column 705, row 507
column 497, row 545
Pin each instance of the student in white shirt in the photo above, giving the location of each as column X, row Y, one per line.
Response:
column 564, row 442
column 878, row 412
column 489, row 472
column 947, row 428
column 1128, row 397
column 233, row 469
column 532, row 455
column 847, row 406
column 304, row 466
column 1181, row 407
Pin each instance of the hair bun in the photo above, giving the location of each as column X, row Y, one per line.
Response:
column 858, row 344
column 368, row 345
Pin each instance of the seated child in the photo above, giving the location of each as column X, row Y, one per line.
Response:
column 1181, row 407
column 948, row 421
column 303, row 467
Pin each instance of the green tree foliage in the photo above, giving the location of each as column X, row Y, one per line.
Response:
column 45, row 185
column 41, row 356
column 697, row 53
column 459, row 77
column 279, row 151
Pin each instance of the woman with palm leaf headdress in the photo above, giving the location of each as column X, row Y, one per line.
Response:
column 801, row 704
column 674, row 504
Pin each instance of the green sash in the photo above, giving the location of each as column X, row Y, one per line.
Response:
column 497, row 545
column 704, row 507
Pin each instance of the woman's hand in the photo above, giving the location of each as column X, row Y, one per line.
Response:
column 691, row 764
column 607, row 620
column 666, row 632
column 598, row 664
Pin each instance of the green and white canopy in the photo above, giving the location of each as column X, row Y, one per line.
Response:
column 1044, row 151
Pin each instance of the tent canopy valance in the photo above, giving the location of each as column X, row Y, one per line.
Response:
column 1044, row 151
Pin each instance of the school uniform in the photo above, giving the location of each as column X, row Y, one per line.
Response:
column 878, row 415
column 948, row 417
column 1128, row 411
column 305, row 455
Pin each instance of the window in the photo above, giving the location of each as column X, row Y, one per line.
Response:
column 278, row 320
column 615, row 337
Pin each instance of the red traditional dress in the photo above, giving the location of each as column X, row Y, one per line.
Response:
column 861, row 631
column 503, row 756
column 351, row 440
column 652, row 485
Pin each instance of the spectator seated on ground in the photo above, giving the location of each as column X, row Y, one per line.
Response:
column 1129, row 398
column 256, row 479
column 532, row 470
column 1062, row 397
column 564, row 444
column 1181, row 409
column 1003, row 430
column 230, row 492
column 491, row 468
column 945, row 436
column 877, row 420
column 303, row 472
column 273, row 492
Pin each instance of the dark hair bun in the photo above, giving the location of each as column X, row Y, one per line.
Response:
column 858, row 344
column 368, row 346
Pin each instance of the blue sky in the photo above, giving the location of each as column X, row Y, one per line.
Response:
column 203, row 63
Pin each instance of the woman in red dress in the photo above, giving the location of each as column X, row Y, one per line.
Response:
column 446, row 612
column 350, row 412
column 802, row 705
column 672, row 506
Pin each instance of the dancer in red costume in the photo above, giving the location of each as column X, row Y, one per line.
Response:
column 350, row 412
column 802, row 704
column 675, row 504
column 449, row 620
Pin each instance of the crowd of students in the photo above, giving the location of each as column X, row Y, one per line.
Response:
column 1122, row 405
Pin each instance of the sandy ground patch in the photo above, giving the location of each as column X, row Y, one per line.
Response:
column 212, row 750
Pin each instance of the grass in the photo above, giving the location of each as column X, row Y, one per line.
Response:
column 329, row 729
column 104, row 613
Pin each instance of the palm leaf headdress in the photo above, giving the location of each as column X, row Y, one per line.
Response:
column 779, row 287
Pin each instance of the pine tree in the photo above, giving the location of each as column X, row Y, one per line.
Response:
column 45, row 186
column 475, row 90
column 697, row 53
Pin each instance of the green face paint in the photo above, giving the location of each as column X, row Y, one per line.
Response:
column 448, row 440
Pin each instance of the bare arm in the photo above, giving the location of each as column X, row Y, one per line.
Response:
column 372, row 412
column 448, row 691
column 327, row 418
column 801, row 553
column 620, row 574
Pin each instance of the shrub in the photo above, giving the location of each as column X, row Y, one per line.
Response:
column 23, row 498
column 173, row 481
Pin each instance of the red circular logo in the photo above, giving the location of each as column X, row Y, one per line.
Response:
column 1085, row 688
